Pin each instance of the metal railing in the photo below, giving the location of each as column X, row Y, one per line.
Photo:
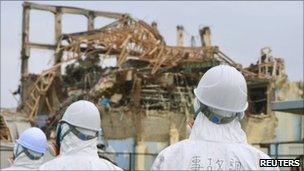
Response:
column 131, row 156
column 127, row 160
column 276, row 145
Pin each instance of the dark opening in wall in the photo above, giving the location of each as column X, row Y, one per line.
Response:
column 270, row 70
column 264, row 59
column 277, row 72
column 257, row 100
column 263, row 70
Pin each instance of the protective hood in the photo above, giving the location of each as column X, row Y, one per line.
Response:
column 76, row 154
column 72, row 144
column 22, row 162
column 211, row 147
column 203, row 129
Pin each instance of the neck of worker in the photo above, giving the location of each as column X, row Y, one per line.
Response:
column 71, row 144
column 23, row 161
column 204, row 129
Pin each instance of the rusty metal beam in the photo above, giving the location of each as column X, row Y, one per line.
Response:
column 91, row 18
column 41, row 46
column 58, row 32
column 25, row 51
column 74, row 10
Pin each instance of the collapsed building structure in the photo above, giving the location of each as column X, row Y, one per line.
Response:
column 148, row 93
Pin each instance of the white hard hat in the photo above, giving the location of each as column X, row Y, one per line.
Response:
column 223, row 87
column 33, row 139
column 83, row 114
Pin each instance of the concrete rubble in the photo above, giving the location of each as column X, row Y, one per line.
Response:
column 148, row 94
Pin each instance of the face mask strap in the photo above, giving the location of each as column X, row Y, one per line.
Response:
column 58, row 134
column 26, row 152
column 240, row 115
column 196, row 112
column 72, row 129
column 31, row 156
column 80, row 135
column 16, row 154
column 213, row 117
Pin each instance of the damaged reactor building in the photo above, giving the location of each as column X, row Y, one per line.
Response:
column 148, row 94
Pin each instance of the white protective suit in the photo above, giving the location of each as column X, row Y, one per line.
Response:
column 76, row 154
column 22, row 162
column 211, row 147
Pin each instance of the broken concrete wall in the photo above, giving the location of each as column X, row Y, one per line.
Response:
column 260, row 122
column 151, row 85
column 263, row 127
column 260, row 128
column 15, row 124
column 289, row 90
column 291, row 126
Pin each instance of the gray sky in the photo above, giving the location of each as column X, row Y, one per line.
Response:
column 240, row 29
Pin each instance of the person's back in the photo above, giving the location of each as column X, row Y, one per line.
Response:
column 22, row 162
column 217, row 141
column 78, row 163
column 211, row 147
column 29, row 150
column 77, row 134
column 78, row 155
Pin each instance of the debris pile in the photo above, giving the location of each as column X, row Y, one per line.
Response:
column 149, row 91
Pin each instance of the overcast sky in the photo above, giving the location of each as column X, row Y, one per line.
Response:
column 240, row 29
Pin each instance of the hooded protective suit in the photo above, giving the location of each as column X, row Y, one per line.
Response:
column 76, row 154
column 22, row 162
column 211, row 147
column 29, row 150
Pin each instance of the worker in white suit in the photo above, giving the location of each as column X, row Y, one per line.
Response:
column 216, row 141
column 76, row 137
column 29, row 150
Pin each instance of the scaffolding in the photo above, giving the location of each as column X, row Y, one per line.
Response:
column 151, row 84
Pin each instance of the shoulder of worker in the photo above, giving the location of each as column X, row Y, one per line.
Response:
column 62, row 162
column 110, row 165
column 259, row 153
column 18, row 168
column 9, row 168
column 174, row 149
column 173, row 152
column 49, row 165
